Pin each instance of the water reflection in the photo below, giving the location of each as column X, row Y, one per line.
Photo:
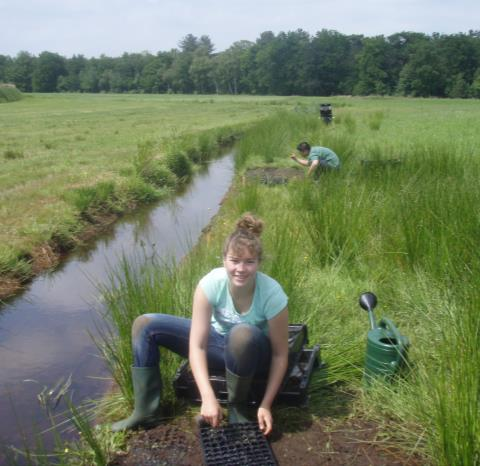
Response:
column 44, row 332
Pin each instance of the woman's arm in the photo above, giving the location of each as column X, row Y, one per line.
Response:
column 278, row 333
column 201, row 314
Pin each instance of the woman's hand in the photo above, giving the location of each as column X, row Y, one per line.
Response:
column 278, row 332
column 293, row 156
column 211, row 412
column 265, row 420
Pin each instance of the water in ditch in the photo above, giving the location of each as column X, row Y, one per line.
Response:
column 44, row 333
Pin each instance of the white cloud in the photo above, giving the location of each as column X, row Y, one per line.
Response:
column 93, row 27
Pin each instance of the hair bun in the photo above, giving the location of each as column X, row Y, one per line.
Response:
column 250, row 223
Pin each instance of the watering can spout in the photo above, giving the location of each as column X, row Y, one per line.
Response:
column 368, row 301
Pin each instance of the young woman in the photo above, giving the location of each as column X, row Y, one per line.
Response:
column 239, row 324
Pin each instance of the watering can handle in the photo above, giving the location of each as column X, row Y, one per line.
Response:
column 388, row 324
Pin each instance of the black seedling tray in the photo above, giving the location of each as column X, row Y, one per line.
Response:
column 236, row 444
column 301, row 362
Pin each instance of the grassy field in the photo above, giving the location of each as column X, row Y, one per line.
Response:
column 53, row 145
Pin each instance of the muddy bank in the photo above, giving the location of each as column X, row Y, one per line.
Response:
column 315, row 442
column 47, row 256
column 273, row 175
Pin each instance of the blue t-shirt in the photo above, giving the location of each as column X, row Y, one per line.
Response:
column 325, row 155
column 268, row 300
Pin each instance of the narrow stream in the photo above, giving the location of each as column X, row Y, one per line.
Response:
column 43, row 332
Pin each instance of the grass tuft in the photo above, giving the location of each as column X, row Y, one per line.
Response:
column 11, row 154
column 9, row 93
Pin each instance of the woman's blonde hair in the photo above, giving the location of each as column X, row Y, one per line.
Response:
column 246, row 235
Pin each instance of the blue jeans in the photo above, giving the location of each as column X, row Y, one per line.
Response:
column 245, row 350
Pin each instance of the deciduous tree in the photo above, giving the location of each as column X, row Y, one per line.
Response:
column 48, row 68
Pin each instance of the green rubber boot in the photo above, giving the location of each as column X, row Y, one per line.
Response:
column 147, row 389
column 238, row 388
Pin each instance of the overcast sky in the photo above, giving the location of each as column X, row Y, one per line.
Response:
column 112, row 27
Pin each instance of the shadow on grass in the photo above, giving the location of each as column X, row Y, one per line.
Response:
column 324, row 401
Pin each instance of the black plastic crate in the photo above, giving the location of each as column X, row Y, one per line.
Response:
column 293, row 390
column 236, row 444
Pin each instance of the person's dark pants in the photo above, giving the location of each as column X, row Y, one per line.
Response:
column 245, row 350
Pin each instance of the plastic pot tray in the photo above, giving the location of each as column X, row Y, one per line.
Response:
column 301, row 362
column 236, row 444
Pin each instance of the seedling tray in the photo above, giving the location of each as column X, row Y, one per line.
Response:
column 294, row 388
column 236, row 444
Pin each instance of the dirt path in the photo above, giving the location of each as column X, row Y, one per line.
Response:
column 314, row 443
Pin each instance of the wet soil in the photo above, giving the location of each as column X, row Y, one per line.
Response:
column 273, row 175
column 9, row 285
column 318, row 442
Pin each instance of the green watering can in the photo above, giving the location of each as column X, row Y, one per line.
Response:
column 386, row 349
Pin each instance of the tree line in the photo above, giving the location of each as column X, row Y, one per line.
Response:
column 289, row 63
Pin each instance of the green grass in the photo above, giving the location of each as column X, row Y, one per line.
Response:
column 61, row 152
column 407, row 231
column 9, row 93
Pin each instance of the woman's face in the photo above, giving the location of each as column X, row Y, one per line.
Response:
column 241, row 267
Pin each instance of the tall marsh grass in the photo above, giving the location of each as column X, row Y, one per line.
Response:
column 382, row 227
column 72, row 438
column 14, row 262
column 407, row 230
column 375, row 120
column 135, row 289
column 272, row 138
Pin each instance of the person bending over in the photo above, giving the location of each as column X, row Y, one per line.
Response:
column 239, row 324
column 316, row 158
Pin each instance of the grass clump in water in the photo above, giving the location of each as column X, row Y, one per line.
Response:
column 180, row 165
column 151, row 169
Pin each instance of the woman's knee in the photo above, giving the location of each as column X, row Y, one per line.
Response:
column 139, row 325
column 247, row 349
column 242, row 338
